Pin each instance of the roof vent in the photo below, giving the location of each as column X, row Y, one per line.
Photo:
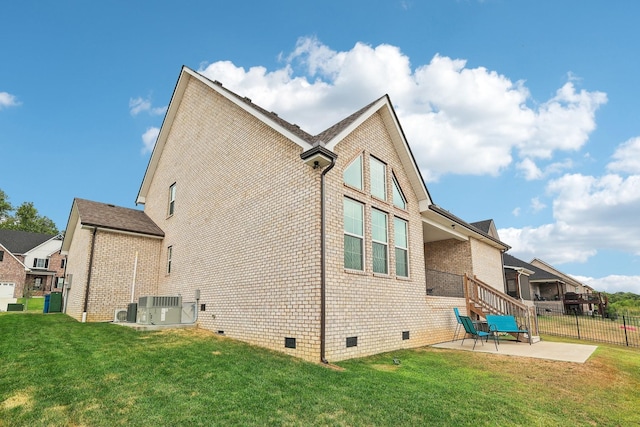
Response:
column 218, row 83
column 246, row 98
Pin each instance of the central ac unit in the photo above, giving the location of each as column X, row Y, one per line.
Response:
column 160, row 310
column 120, row 315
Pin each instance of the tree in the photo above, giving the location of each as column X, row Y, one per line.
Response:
column 26, row 218
column 5, row 207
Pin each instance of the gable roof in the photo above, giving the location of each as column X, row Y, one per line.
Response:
column 21, row 242
column 109, row 217
column 328, row 138
column 539, row 275
column 552, row 270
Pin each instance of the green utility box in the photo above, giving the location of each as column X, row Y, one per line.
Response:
column 15, row 307
column 55, row 302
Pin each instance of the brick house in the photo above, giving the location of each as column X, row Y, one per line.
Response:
column 316, row 246
column 30, row 259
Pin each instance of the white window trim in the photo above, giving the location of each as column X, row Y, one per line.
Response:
column 171, row 208
column 169, row 258
column 385, row 243
column 361, row 237
column 406, row 249
column 373, row 160
column 396, row 186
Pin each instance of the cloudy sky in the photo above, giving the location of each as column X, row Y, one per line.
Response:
column 524, row 112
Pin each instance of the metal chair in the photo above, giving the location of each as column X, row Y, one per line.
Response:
column 470, row 329
column 459, row 325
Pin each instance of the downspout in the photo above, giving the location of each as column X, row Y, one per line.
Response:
column 320, row 157
column 86, row 291
column 323, row 276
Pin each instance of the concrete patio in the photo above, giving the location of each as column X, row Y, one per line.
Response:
column 564, row 352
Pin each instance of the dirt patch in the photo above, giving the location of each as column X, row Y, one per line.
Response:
column 19, row 399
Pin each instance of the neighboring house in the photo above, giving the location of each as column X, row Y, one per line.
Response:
column 577, row 297
column 317, row 246
column 30, row 261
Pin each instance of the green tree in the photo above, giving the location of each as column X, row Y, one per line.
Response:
column 5, row 207
column 26, row 218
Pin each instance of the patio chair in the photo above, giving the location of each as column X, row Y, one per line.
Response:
column 470, row 329
column 459, row 325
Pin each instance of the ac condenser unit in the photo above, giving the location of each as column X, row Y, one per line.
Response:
column 160, row 310
column 120, row 315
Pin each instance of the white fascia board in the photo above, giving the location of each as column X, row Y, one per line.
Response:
column 445, row 227
column 520, row 269
column 6, row 251
column 70, row 230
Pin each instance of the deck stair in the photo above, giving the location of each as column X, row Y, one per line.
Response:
column 483, row 299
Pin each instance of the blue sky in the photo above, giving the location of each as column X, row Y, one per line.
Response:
column 521, row 111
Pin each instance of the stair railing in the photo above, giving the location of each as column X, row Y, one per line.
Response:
column 483, row 299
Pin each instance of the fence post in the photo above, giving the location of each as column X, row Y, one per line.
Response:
column 624, row 326
column 577, row 325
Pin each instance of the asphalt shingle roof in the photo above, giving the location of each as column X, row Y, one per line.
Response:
column 116, row 218
column 538, row 273
column 21, row 242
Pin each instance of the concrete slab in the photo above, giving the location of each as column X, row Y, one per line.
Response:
column 565, row 352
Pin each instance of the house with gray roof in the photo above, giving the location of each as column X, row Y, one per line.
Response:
column 30, row 263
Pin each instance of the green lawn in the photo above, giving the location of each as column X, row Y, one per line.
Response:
column 35, row 304
column 55, row 371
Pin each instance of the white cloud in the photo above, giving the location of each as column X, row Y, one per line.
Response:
column 537, row 205
column 516, row 212
column 590, row 213
column 458, row 120
column 8, row 100
column 613, row 283
column 149, row 139
column 530, row 170
column 626, row 158
column 139, row 105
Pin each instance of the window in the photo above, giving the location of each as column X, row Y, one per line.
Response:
column 402, row 247
column 353, row 235
column 353, row 173
column 379, row 241
column 398, row 197
column 378, row 179
column 37, row 283
column 169, row 255
column 172, row 198
column 1, row 255
column 63, row 262
column 40, row 263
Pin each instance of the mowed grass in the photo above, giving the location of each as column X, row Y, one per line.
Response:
column 55, row 371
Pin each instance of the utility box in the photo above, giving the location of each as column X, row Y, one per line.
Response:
column 160, row 310
column 132, row 312
column 55, row 302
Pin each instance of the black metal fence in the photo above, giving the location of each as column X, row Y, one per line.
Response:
column 618, row 329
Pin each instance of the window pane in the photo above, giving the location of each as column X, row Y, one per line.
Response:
column 398, row 197
column 400, row 228
column 353, row 217
column 172, row 198
column 378, row 179
column 378, row 226
column 353, row 253
column 379, row 258
column 402, row 263
column 353, row 173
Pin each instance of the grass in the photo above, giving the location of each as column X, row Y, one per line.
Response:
column 56, row 371
column 593, row 328
column 35, row 304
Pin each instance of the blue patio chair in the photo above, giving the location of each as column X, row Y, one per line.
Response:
column 459, row 325
column 470, row 329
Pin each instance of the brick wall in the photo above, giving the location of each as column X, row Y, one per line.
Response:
column 375, row 308
column 449, row 256
column 112, row 272
column 246, row 226
column 487, row 264
column 12, row 271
